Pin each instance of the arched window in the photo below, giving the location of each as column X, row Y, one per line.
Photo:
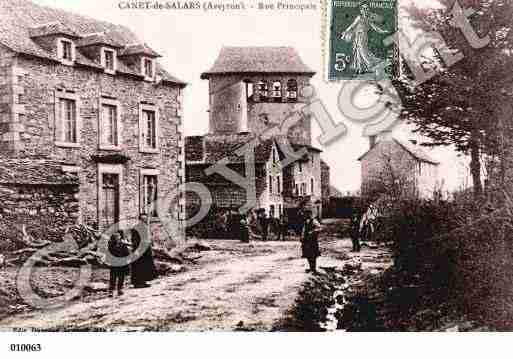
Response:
column 263, row 91
column 276, row 91
column 292, row 90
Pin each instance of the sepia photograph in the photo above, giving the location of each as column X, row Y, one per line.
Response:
column 244, row 167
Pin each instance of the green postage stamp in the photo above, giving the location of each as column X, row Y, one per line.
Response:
column 357, row 31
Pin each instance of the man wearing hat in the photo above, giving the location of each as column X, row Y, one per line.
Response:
column 310, row 241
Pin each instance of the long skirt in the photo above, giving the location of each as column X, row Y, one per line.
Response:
column 143, row 269
column 310, row 247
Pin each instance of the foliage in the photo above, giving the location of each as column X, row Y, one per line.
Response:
column 460, row 105
column 461, row 249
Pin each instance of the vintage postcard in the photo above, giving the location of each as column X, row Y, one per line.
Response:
column 185, row 166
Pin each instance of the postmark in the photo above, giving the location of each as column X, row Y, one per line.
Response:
column 357, row 32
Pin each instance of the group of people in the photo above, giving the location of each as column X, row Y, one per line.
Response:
column 130, row 256
column 309, row 238
column 264, row 226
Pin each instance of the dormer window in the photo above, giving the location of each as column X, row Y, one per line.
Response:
column 148, row 70
column 109, row 60
column 66, row 50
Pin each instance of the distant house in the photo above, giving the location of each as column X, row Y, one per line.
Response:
column 401, row 167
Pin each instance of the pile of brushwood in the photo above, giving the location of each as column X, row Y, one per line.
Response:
column 81, row 245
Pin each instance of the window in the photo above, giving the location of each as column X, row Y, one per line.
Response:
column 276, row 91
column 262, row 89
column 270, row 184
column 271, row 210
column 297, row 190
column 278, row 185
column 67, row 115
column 66, row 50
column 109, row 125
column 148, row 127
column 292, row 90
column 300, row 164
column 274, row 155
column 149, row 194
column 151, row 133
column 148, row 67
column 109, row 60
column 312, row 186
column 249, row 89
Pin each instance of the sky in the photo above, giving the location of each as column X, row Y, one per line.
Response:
column 190, row 41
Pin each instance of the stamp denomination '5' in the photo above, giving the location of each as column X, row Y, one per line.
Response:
column 357, row 31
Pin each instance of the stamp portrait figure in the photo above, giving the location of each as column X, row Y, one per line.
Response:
column 362, row 59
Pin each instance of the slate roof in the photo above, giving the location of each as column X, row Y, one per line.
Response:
column 21, row 19
column 415, row 151
column 212, row 149
column 258, row 60
column 34, row 172
column 54, row 28
column 136, row 49
column 100, row 38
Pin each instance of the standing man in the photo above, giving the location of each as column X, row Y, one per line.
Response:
column 283, row 227
column 354, row 231
column 118, row 248
column 265, row 225
column 310, row 241
column 244, row 229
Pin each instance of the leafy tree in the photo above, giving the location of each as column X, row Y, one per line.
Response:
column 460, row 105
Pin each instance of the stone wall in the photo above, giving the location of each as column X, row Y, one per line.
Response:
column 231, row 110
column 40, row 80
column 10, row 93
column 45, row 210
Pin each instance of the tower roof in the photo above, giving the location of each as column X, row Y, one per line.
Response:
column 255, row 60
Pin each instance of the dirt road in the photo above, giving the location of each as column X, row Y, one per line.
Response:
column 233, row 286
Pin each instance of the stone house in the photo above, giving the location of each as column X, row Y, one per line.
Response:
column 203, row 152
column 90, row 97
column 255, row 94
column 395, row 165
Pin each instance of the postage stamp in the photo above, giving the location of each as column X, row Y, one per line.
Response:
column 356, row 34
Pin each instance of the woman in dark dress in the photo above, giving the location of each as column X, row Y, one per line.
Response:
column 310, row 241
column 142, row 268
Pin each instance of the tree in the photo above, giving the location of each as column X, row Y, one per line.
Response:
column 459, row 105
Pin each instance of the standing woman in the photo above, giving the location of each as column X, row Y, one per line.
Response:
column 142, row 268
column 310, row 241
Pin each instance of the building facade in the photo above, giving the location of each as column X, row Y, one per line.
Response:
column 255, row 96
column 90, row 97
column 398, row 167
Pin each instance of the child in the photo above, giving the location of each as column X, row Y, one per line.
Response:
column 117, row 248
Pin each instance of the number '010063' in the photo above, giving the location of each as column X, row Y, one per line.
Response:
column 25, row 347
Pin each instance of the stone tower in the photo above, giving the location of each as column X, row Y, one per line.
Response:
column 254, row 88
